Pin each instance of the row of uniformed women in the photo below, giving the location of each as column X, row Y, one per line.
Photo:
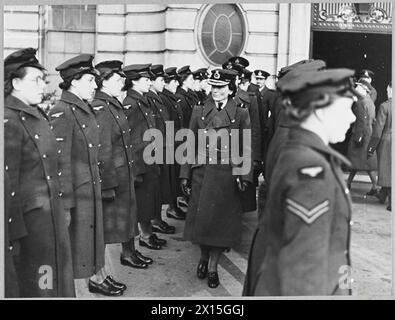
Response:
column 77, row 178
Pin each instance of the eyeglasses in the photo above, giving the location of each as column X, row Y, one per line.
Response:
column 38, row 80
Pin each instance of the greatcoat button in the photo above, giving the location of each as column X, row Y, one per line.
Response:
column 60, row 194
column 44, row 156
column 59, row 151
column 90, row 145
column 12, row 194
column 10, row 248
column 10, row 220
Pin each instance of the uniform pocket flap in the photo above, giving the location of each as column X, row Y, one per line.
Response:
column 32, row 203
column 81, row 178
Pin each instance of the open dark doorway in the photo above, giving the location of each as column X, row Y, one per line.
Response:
column 356, row 51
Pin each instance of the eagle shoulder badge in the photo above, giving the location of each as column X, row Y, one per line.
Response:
column 314, row 172
column 98, row 108
column 57, row 115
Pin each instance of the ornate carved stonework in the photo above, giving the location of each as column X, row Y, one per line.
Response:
column 352, row 17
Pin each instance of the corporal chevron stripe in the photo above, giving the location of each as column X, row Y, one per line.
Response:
column 309, row 216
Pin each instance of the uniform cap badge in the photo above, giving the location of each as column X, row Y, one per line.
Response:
column 216, row 75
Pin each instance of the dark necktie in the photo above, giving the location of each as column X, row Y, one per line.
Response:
column 220, row 106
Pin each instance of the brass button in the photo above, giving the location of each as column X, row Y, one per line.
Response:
column 83, row 126
column 10, row 220
column 60, row 194
column 6, row 168
column 12, row 194
column 90, row 145
column 44, row 156
column 59, row 151
column 59, row 173
column 10, row 248
column 23, row 118
column 48, row 177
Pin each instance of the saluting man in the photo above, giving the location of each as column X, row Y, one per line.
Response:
column 37, row 224
column 147, row 176
column 303, row 238
column 77, row 132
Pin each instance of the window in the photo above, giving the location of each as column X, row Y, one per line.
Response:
column 72, row 17
column 221, row 32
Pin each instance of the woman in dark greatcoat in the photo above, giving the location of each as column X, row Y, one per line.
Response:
column 77, row 132
column 215, row 208
column 172, row 104
column 42, row 253
column 188, row 101
column 115, row 165
column 162, row 117
column 147, row 184
column 302, row 240
column 381, row 142
column 364, row 111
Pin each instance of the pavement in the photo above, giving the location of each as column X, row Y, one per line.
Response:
column 173, row 272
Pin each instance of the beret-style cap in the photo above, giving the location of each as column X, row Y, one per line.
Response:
column 110, row 66
column 137, row 71
column 221, row 77
column 22, row 58
column 76, row 65
column 261, row 74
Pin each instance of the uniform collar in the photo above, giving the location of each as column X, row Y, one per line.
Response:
column 168, row 93
column 230, row 107
column 69, row 97
column 136, row 95
column 100, row 95
column 12, row 102
column 298, row 135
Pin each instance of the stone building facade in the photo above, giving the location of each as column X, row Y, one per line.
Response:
column 270, row 36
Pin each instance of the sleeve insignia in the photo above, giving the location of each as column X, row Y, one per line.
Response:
column 57, row 115
column 307, row 215
column 311, row 172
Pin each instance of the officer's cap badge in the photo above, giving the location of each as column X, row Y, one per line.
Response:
column 216, row 75
column 260, row 73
